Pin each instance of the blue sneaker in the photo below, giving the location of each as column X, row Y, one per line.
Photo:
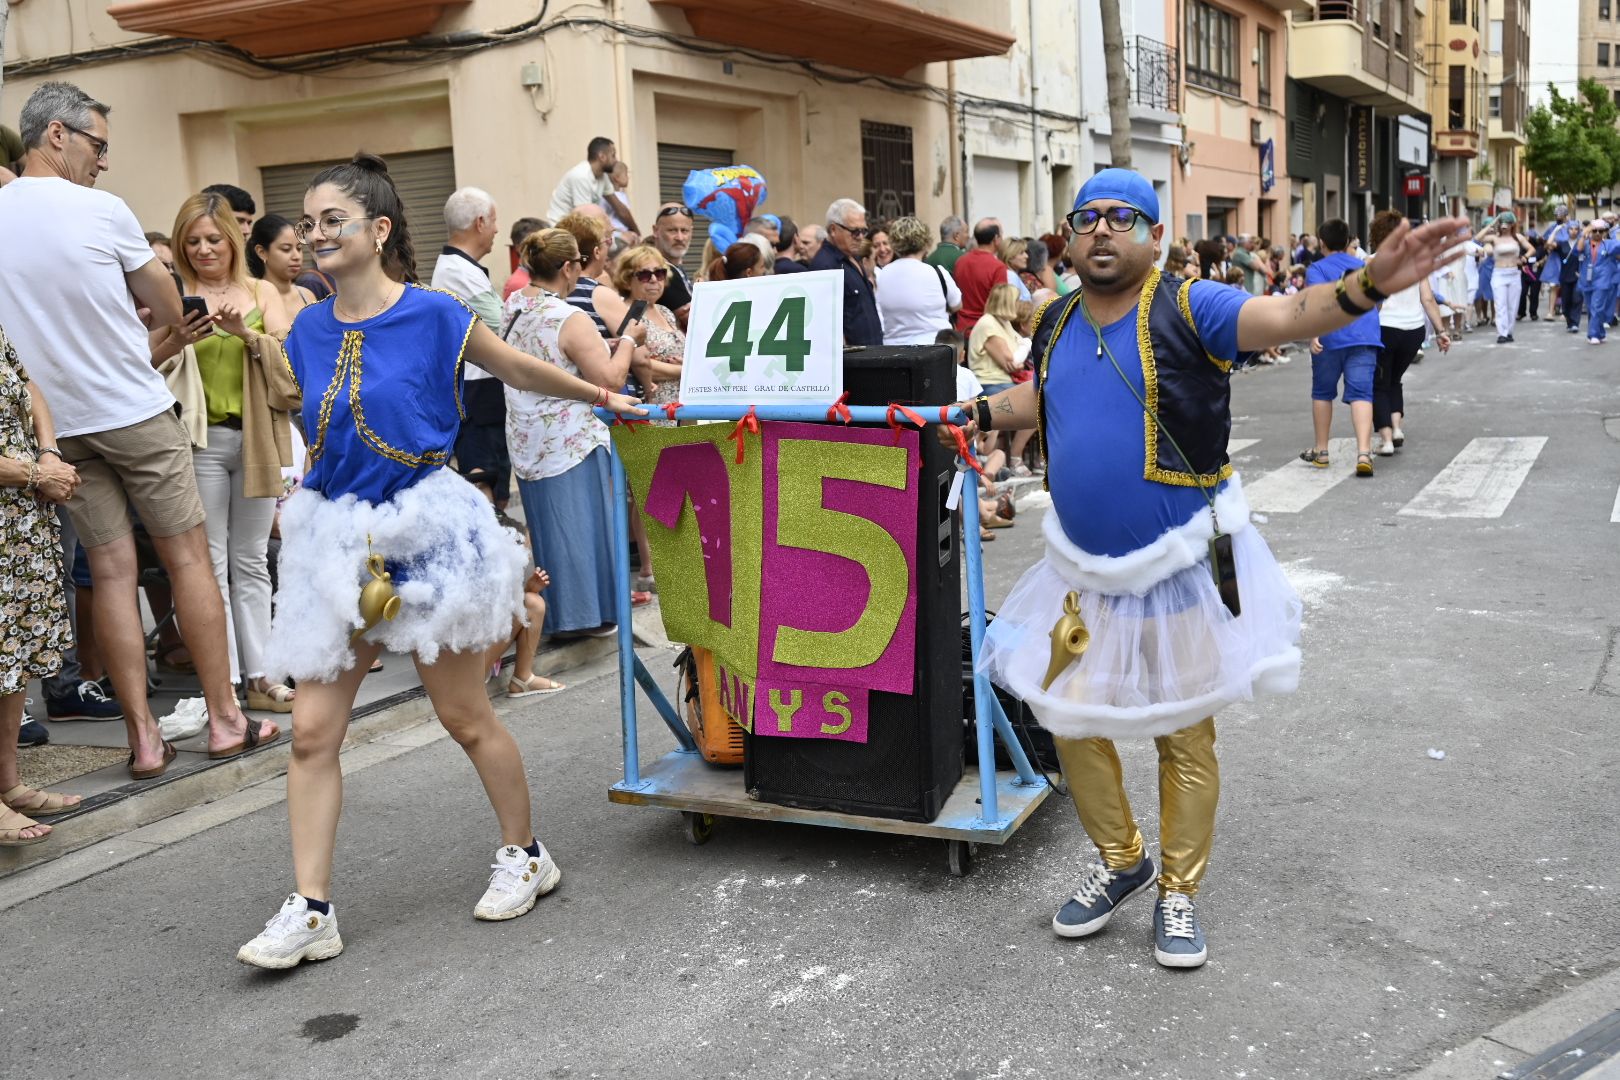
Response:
column 32, row 733
column 1103, row 890
column 87, row 701
column 1177, row 940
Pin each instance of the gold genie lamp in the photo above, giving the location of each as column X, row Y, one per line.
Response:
column 1069, row 639
column 378, row 600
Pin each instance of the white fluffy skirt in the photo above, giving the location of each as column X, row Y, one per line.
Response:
column 1158, row 661
column 462, row 576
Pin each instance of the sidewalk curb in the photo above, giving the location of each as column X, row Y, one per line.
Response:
column 1524, row 1036
column 121, row 818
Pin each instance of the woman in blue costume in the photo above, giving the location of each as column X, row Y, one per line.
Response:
column 380, row 369
column 1132, row 403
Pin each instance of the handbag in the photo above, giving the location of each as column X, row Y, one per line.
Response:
column 184, row 379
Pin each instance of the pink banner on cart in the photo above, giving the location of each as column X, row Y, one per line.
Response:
column 800, row 711
column 840, row 556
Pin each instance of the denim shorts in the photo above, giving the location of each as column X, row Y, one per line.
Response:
column 1355, row 364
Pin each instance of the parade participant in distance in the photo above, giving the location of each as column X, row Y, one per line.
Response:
column 1508, row 249
column 381, row 366
column 1129, row 544
column 1348, row 355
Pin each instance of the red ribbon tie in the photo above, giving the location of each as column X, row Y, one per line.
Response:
column 669, row 410
column 749, row 424
column 962, row 448
column 839, row 409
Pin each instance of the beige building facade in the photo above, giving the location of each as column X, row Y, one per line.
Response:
column 924, row 106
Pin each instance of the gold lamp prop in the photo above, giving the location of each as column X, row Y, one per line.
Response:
column 1069, row 639
column 378, row 600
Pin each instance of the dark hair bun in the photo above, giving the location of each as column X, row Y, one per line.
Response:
column 371, row 163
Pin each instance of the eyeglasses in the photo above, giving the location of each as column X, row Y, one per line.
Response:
column 100, row 146
column 647, row 277
column 1120, row 219
column 330, row 227
column 859, row 234
column 671, row 211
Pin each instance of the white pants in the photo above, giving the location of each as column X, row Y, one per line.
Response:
column 238, row 531
column 1506, row 285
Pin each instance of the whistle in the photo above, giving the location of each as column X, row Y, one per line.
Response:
column 1069, row 639
column 378, row 601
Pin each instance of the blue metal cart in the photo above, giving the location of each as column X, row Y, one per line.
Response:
column 983, row 810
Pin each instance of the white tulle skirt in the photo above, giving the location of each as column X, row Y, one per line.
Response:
column 459, row 576
column 1163, row 655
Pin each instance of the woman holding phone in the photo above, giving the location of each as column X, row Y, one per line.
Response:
column 638, row 281
column 1509, row 250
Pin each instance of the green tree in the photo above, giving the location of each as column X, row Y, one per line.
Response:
column 1572, row 144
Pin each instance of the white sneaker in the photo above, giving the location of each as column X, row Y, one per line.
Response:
column 295, row 934
column 1386, row 447
column 519, row 879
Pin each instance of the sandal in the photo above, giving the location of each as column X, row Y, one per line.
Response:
column 1319, row 458
column 156, row 771
column 985, row 534
column 13, row 825
column 522, row 688
column 250, row 739
column 166, row 662
column 996, row 521
column 25, row 800
column 376, row 665
column 1364, row 465
column 277, row 698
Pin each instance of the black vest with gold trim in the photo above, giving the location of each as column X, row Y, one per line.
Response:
column 1184, row 384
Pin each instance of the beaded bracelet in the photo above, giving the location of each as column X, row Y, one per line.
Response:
column 33, row 478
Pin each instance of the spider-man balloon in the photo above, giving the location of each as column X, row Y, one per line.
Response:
column 729, row 197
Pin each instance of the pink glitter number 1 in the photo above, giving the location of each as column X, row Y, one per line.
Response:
column 696, row 471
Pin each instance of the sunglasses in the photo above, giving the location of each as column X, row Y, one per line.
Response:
column 671, row 211
column 859, row 234
column 1120, row 219
column 647, row 277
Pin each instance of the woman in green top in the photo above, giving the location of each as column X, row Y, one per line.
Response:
column 246, row 393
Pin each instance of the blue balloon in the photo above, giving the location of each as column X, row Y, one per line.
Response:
column 727, row 196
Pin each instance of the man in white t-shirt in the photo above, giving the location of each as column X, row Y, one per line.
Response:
column 588, row 183
column 470, row 219
column 74, row 267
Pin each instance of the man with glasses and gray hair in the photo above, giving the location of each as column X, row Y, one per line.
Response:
column 848, row 242
column 74, row 267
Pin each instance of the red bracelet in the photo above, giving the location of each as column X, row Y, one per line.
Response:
column 602, row 398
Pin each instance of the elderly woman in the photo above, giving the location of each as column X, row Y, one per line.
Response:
column 558, row 446
column 34, row 628
column 914, row 298
column 241, row 427
column 640, row 275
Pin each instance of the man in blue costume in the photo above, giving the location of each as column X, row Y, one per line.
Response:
column 1123, row 630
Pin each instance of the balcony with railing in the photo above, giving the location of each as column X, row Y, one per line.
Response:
column 283, row 27
column 1155, row 74
column 1338, row 48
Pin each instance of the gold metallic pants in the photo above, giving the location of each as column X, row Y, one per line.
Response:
column 1189, row 787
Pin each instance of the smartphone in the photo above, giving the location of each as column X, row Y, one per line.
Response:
column 637, row 310
column 192, row 306
column 1223, row 566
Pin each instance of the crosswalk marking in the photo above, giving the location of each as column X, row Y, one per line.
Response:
column 1615, row 516
column 1237, row 446
column 1480, row 481
column 1295, row 486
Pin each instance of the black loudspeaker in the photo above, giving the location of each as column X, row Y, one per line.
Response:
column 912, row 758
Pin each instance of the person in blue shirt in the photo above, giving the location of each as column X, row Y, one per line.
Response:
column 848, row 244
column 1598, row 255
column 380, row 369
column 1349, row 356
column 1131, row 400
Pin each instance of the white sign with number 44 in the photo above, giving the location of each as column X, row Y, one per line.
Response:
column 766, row 340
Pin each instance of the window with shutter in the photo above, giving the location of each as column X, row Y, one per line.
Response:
column 674, row 162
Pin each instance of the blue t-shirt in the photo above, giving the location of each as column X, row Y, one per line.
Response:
column 1096, row 444
column 382, row 397
column 1365, row 330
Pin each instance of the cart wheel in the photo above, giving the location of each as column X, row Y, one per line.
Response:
column 699, row 827
column 960, row 855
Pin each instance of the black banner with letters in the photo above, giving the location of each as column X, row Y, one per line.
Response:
column 1361, row 148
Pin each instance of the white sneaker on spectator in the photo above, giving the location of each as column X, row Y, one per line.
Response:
column 190, row 717
column 519, row 879
column 295, row 934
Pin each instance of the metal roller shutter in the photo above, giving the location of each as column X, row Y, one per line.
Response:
column 674, row 162
column 425, row 178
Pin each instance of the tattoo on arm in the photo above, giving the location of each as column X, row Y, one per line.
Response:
column 1003, row 404
column 1303, row 304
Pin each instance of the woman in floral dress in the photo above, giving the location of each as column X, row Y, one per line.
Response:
column 34, row 627
column 559, row 449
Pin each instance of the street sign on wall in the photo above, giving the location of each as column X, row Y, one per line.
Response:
column 1361, row 147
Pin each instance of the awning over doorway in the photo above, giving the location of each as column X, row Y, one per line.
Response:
column 283, row 27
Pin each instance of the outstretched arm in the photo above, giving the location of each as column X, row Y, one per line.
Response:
column 1406, row 256
column 524, row 372
column 1010, row 410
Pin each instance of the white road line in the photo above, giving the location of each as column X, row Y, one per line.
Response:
column 1480, row 481
column 1615, row 516
column 1237, row 446
column 1295, row 486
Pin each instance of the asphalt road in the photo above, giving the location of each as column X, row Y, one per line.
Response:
column 1368, row 905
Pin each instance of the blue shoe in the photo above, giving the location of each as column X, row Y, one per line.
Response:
column 87, row 701
column 32, row 733
column 1177, row 940
column 1103, row 890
